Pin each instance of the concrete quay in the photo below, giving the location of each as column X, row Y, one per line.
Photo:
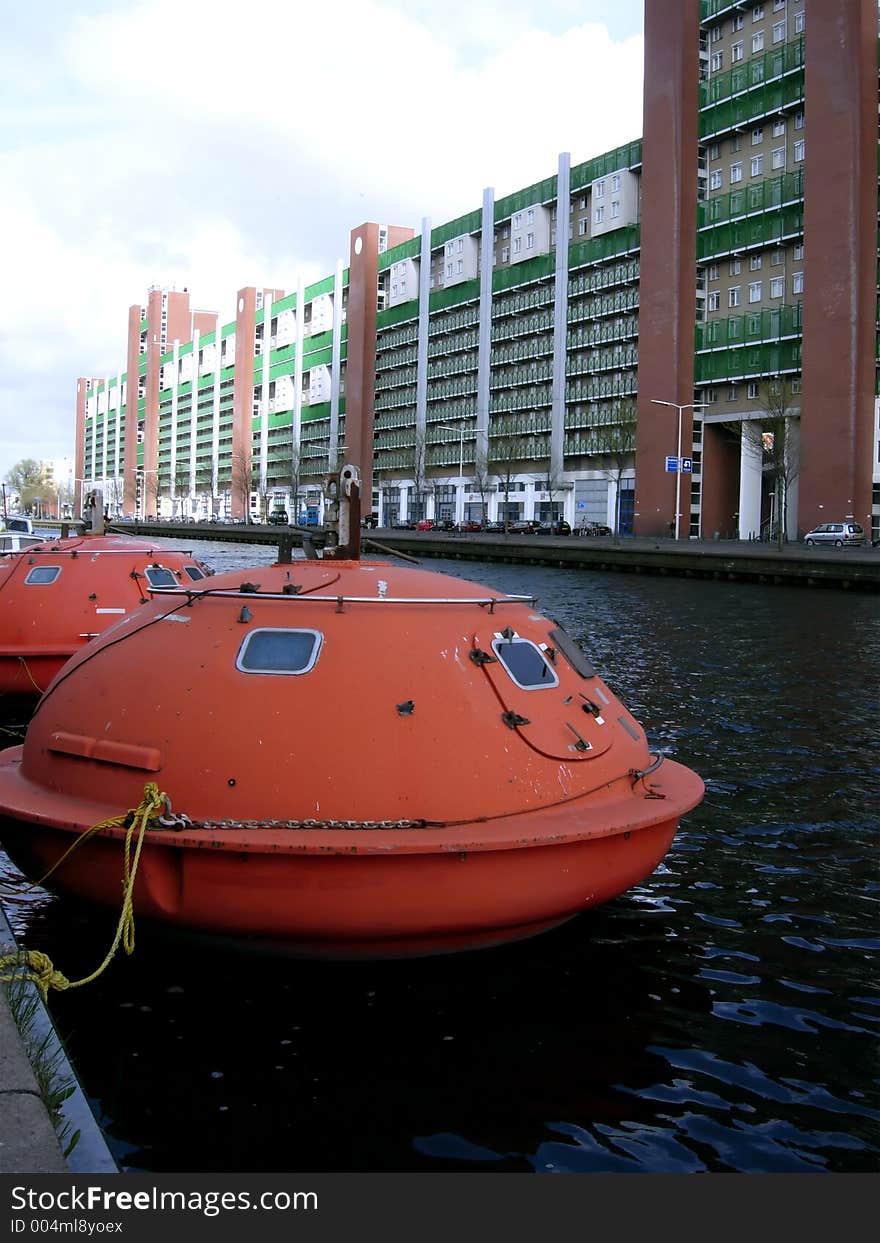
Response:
column 28, row 1140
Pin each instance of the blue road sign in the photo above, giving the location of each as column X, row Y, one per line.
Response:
column 672, row 465
column 687, row 464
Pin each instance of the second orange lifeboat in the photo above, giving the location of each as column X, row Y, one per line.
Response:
column 59, row 594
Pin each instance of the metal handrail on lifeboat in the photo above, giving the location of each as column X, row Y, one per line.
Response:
column 331, row 599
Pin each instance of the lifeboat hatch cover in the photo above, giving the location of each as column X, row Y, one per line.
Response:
column 548, row 713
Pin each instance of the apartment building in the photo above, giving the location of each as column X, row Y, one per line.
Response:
column 691, row 296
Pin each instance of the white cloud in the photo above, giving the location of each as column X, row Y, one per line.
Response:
column 209, row 146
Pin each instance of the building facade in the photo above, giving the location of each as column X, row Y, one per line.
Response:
column 703, row 298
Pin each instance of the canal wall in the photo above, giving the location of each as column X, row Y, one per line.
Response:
column 733, row 560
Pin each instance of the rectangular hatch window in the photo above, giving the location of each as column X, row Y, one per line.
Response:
column 525, row 663
column 279, row 651
column 158, row 576
column 42, row 575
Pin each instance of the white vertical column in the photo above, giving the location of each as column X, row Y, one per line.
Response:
column 215, row 416
column 560, row 317
column 117, row 469
column 335, row 366
column 792, row 455
column 194, row 418
column 423, row 327
column 175, row 381
column 106, row 383
column 264, row 404
column 484, row 355
column 298, row 364
column 749, row 486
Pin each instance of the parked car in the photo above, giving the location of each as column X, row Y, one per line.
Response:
column 370, row 522
column 471, row 525
column 839, row 534
column 593, row 528
column 557, row 527
column 403, row 524
column 524, row 526
column 278, row 516
column 425, row 524
column 494, row 527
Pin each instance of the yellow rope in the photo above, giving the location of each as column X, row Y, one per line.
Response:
column 38, row 689
column 35, row 966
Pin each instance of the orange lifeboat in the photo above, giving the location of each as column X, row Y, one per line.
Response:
column 59, row 594
column 359, row 760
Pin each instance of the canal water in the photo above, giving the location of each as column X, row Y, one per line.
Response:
column 721, row 1016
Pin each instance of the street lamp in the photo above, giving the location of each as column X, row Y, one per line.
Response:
column 459, row 500
column 688, row 405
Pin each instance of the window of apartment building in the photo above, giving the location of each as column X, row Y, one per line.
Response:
column 779, row 32
column 777, row 286
column 582, row 228
column 505, row 232
column 615, row 208
column 715, row 179
column 736, row 173
column 517, row 245
column 732, row 392
column 615, row 183
column 735, row 143
column 757, row 135
column 517, row 220
column 799, row 20
column 713, row 301
column 776, row 257
column 778, row 127
column 757, row 12
column 710, row 395
column 755, row 291
column 735, row 267
column 459, row 265
column 758, row 41
column 799, row 149
column 449, row 269
column 716, row 34
column 448, row 248
column 717, row 61
column 714, row 150
column 752, row 389
column 798, row 252
column 459, row 245
column 736, row 52
column 777, row 5
column 714, row 272
column 733, row 295
column 756, row 262
column 530, row 216
column 599, row 188
column 530, row 241
column 505, row 254
column 797, row 282
column 599, row 214
column 582, row 202
column 757, row 165
column 796, row 384
column 777, row 157
column 799, row 120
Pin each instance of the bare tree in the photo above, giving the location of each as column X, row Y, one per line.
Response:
column 506, row 456
column 615, row 441
column 151, row 490
column 482, row 485
column 181, row 487
column 419, row 469
column 242, row 479
column 773, row 436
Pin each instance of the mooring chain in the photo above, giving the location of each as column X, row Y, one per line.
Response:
column 181, row 822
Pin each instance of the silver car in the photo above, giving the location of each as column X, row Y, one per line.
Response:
column 840, row 534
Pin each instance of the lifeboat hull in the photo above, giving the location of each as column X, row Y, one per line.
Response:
column 365, row 892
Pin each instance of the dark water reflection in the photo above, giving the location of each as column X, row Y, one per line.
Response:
column 722, row 1016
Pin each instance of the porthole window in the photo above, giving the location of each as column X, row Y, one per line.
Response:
column 158, row 576
column 279, row 651
column 193, row 572
column 42, row 575
column 526, row 664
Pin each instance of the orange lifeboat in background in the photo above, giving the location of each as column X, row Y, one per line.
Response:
column 59, row 594
column 360, row 760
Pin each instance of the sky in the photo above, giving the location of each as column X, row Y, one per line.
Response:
column 211, row 145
